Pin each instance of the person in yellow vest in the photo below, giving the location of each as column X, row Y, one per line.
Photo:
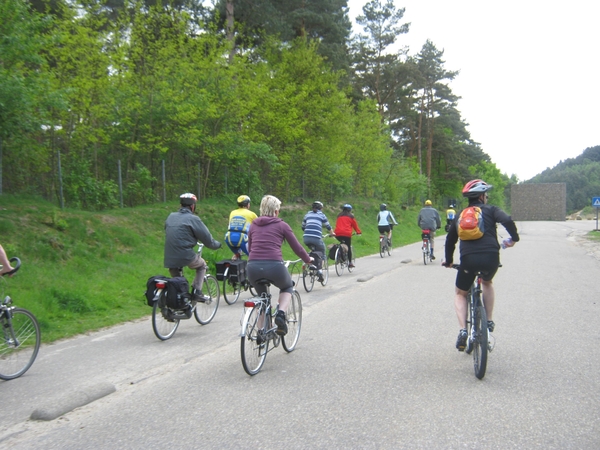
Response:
column 240, row 219
column 450, row 215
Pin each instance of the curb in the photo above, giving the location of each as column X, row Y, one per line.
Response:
column 75, row 400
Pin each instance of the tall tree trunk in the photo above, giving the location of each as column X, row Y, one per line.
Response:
column 230, row 35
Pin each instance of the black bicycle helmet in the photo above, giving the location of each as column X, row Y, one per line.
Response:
column 347, row 206
column 317, row 205
column 475, row 188
column 382, row 207
column 187, row 199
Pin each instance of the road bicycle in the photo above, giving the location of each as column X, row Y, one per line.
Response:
column 479, row 340
column 21, row 336
column 426, row 247
column 309, row 271
column 165, row 320
column 258, row 331
column 232, row 286
column 385, row 244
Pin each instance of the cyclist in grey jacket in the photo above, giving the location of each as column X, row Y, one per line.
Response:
column 429, row 219
column 183, row 230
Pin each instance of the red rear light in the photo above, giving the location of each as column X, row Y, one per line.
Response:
column 249, row 304
column 160, row 284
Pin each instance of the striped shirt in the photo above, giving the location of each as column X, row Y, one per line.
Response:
column 313, row 224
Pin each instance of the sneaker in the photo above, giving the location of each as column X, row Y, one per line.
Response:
column 461, row 342
column 281, row 323
column 491, row 325
column 199, row 297
column 351, row 266
column 320, row 276
column 432, row 257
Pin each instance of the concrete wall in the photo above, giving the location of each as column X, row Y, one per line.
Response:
column 539, row 201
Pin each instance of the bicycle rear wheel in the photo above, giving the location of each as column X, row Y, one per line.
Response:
column 164, row 327
column 350, row 263
column 325, row 272
column 389, row 247
column 20, row 343
column 294, row 322
column 425, row 252
column 339, row 264
column 480, row 342
column 382, row 246
column 231, row 291
column 205, row 311
column 308, row 279
column 254, row 354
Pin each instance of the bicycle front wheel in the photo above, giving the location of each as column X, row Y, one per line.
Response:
column 480, row 342
column 339, row 265
column 294, row 322
column 308, row 279
column 164, row 327
column 205, row 311
column 20, row 343
column 254, row 353
column 231, row 291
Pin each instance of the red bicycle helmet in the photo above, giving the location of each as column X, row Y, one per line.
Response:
column 475, row 188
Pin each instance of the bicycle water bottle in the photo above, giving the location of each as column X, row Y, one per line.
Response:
column 506, row 243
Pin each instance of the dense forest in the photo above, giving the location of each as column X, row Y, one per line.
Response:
column 120, row 101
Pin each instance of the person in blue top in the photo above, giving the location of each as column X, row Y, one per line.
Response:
column 313, row 223
column 386, row 221
column 240, row 219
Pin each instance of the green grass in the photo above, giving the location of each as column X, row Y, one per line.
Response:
column 86, row 270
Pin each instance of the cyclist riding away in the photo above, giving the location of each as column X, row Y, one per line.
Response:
column 183, row 231
column 312, row 225
column 385, row 221
column 429, row 219
column 450, row 215
column 240, row 219
column 344, row 225
column 482, row 254
column 265, row 239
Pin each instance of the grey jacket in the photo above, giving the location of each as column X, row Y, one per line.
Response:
column 183, row 230
column 429, row 219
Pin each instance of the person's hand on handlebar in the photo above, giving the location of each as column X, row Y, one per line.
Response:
column 447, row 264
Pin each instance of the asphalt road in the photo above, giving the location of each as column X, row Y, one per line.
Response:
column 375, row 367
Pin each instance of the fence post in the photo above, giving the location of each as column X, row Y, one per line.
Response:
column 164, row 182
column 120, row 184
column 60, row 185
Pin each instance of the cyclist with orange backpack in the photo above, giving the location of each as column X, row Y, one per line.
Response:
column 477, row 254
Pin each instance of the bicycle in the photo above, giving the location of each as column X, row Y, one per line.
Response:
column 21, row 336
column 426, row 247
column 341, row 258
column 479, row 341
column 165, row 320
column 310, row 272
column 385, row 244
column 232, row 285
column 257, row 333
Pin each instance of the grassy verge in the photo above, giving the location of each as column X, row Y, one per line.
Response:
column 86, row 270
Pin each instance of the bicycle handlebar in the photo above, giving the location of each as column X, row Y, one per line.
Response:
column 17, row 267
column 290, row 262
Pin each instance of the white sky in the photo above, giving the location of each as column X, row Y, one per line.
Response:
column 529, row 73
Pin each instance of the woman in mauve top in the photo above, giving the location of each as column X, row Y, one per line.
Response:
column 265, row 238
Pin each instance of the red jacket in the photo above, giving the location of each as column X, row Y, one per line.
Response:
column 344, row 226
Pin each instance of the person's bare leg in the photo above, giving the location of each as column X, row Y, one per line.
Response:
column 460, row 305
column 488, row 298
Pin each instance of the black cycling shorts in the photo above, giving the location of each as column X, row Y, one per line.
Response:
column 385, row 228
column 470, row 264
column 274, row 271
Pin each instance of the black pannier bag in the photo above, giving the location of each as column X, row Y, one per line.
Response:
column 332, row 249
column 151, row 288
column 178, row 293
column 237, row 270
